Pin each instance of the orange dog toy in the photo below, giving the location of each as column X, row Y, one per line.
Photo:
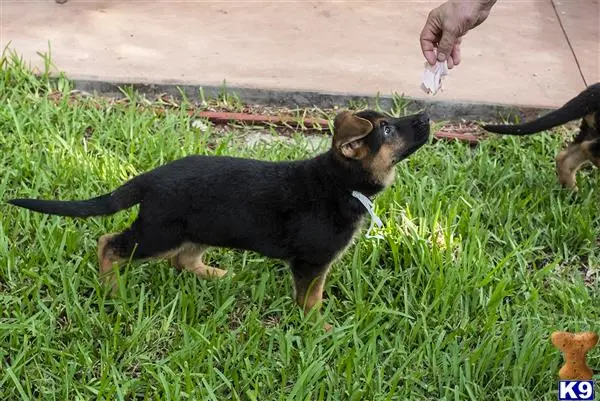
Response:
column 574, row 347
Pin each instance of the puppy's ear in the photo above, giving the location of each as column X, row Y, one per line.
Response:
column 349, row 130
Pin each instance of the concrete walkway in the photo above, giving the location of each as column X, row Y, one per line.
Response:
column 528, row 52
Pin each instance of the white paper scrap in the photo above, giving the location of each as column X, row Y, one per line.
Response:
column 432, row 77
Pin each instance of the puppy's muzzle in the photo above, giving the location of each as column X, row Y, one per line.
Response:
column 421, row 126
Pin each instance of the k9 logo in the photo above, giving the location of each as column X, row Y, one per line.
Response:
column 576, row 390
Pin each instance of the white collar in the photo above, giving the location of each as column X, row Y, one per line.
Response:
column 374, row 218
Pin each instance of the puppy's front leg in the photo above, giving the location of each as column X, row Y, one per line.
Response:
column 309, row 282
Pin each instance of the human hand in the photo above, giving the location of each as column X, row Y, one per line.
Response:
column 447, row 24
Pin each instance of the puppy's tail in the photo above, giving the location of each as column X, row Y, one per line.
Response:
column 581, row 105
column 122, row 198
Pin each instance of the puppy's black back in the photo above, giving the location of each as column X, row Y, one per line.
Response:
column 277, row 209
column 588, row 101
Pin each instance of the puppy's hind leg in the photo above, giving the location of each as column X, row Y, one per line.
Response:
column 107, row 258
column 137, row 242
column 190, row 258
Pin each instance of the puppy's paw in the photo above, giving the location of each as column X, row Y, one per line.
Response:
column 568, row 183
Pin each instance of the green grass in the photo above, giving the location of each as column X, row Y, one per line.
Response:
column 484, row 256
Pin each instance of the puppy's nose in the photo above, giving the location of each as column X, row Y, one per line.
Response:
column 422, row 120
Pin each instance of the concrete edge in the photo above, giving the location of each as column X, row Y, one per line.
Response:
column 438, row 110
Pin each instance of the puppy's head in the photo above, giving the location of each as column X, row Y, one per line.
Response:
column 377, row 142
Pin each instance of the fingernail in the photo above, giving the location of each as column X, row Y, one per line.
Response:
column 441, row 57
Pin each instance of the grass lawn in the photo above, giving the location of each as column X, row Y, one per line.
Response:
column 483, row 257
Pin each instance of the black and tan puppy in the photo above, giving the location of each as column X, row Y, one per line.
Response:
column 302, row 212
column 586, row 145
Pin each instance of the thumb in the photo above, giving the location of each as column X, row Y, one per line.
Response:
column 446, row 45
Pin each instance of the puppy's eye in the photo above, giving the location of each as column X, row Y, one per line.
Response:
column 387, row 130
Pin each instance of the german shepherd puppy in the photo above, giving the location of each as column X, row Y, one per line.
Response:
column 586, row 145
column 302, row 212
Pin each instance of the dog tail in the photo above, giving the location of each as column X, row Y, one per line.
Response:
column 581, row 105
column 122, row 198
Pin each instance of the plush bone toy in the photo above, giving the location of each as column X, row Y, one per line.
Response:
column 574, row 347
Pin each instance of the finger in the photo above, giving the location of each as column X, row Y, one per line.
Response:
column 430, row 56
column 446, row 45
column 427, row 40
column 450, row 62
column 456, row 54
